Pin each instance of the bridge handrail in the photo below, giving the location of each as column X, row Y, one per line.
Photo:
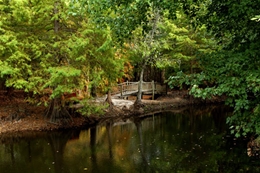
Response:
column 126, row 86
column 135, row 83
column 127, row 83
column 133, row 86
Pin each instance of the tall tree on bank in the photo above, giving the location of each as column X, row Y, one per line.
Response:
column 129, row 18
column 170, row 44
column 124, row 17
column 144, row 46
column 46, row 45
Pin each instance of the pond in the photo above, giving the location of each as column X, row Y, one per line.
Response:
column 192, row 140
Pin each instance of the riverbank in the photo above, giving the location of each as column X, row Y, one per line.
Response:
column 31, row 118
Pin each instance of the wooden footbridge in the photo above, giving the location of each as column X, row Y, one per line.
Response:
column 131, row 88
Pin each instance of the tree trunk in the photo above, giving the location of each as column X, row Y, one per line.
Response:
column 57, row 112
column 109, row 99
column 93, row 91
column 56, row 21
column 10, row 92
column 138, row 101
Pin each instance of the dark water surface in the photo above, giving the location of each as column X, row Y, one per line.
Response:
column 195, row 140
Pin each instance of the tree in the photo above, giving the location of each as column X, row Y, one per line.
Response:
column 181, row 44
column 170, row 44
column 144, row 48
column 51, row 45
column 123, row 17
column 153, row 42
column 233, row 70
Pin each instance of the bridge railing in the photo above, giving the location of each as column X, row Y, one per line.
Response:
column 128, row 87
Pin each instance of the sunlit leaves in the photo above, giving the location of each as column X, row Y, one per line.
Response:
column 62, row 79
column 34, row 57
column 231, row 74
column 256, row 18
column 123, row 17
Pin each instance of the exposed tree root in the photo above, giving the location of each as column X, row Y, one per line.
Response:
column 138, row 104
column 17, row 112
column 109, row 99
column 12, row 117
column 57, row 112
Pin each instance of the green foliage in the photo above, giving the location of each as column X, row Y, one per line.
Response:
column 256, row 18
column 233, row 71
column 91, row 108
column 232, row 20
column 123, row 17
column 226, row 73
column 145, row 45
column 37, row 52
column 63, row 79
column 182, row 43
column 53, row 45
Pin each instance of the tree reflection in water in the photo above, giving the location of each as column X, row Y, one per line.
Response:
column 93, row 138
column 109, row 125
column 145, row 165
column 194, row 140
column 58, row 141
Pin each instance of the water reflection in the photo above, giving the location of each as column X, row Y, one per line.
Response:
column 145, row 165
column 57, row 142
column 194, row 140
column 109, row 136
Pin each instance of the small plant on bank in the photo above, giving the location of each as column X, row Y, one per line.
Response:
column 92, row 108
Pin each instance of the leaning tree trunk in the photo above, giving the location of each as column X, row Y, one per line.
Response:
column 57, row 112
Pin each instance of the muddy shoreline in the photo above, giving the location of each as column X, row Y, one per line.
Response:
column 32, row 120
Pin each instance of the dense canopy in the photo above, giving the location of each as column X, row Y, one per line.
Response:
column 84, row 46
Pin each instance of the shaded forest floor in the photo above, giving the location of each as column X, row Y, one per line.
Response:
column 16, row 115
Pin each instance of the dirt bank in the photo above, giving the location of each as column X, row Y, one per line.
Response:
column 18, row 116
